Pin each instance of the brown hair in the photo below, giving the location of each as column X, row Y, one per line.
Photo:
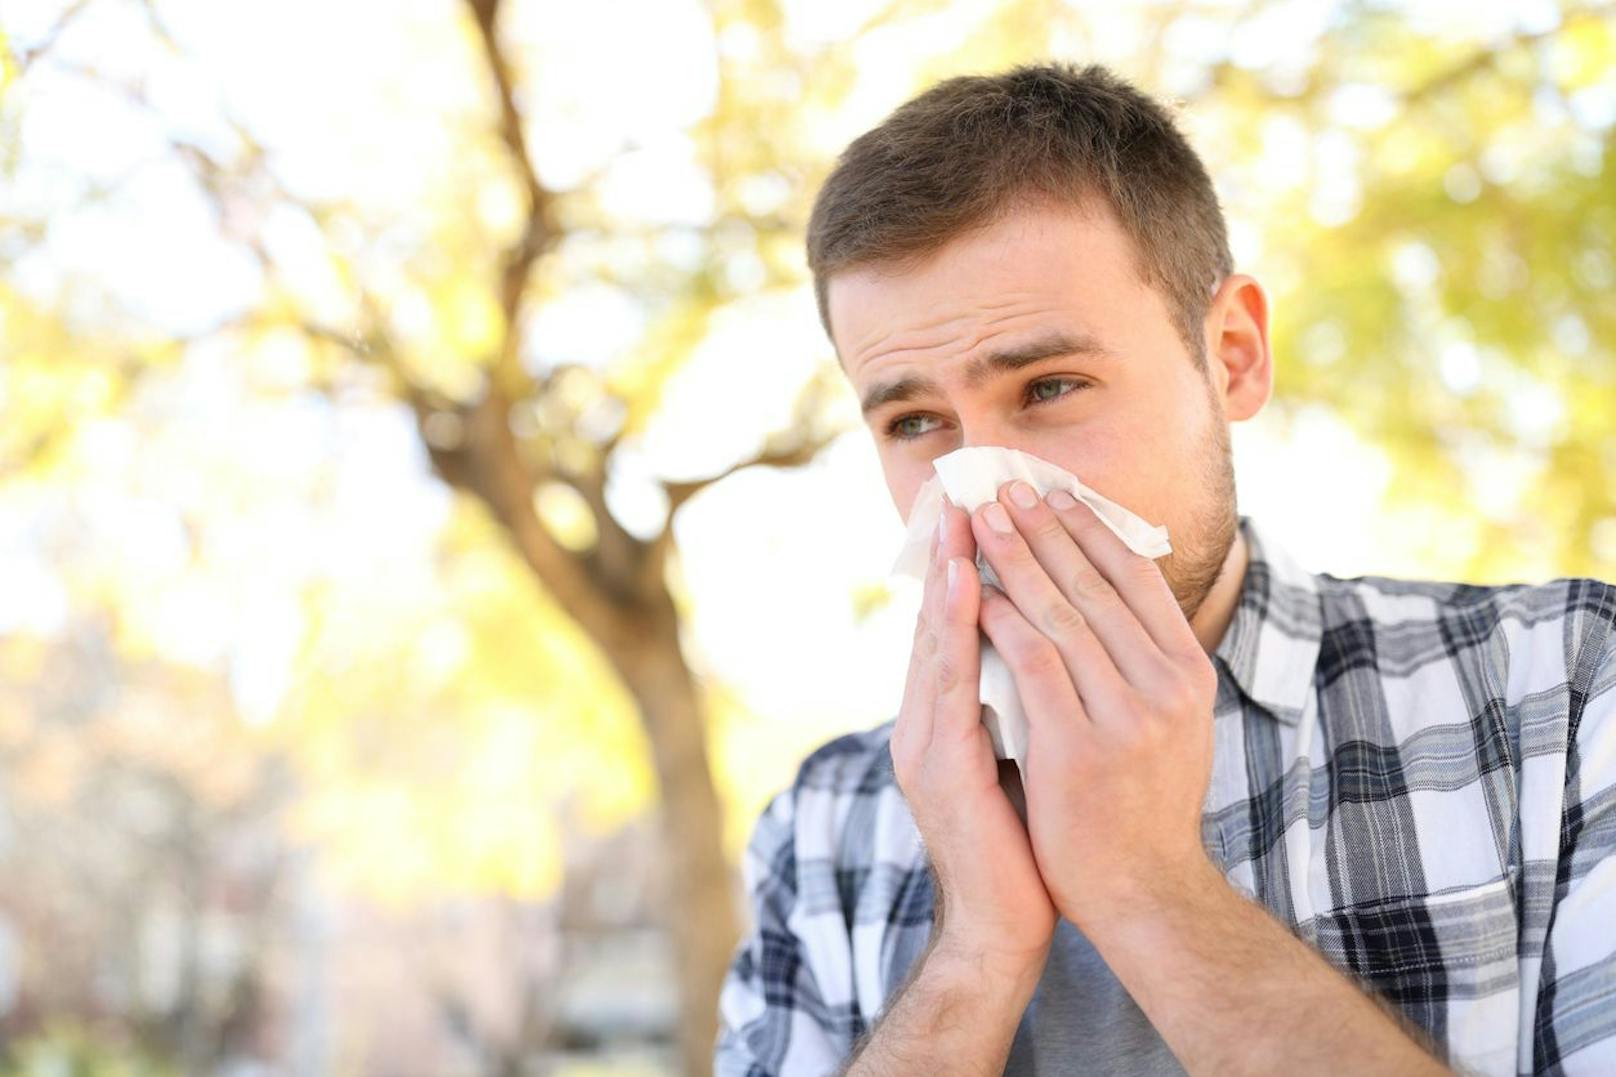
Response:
column 972, row 147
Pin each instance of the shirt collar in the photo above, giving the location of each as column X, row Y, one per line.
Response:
column 1271, row 646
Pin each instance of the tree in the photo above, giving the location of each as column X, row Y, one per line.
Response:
column 1428, row 204
column 531, row 442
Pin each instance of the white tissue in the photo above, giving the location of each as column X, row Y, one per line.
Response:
column 970, row 477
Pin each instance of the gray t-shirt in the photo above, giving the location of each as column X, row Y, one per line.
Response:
column 1081, row 1020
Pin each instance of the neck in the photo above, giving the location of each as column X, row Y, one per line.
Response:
column 1211, row 619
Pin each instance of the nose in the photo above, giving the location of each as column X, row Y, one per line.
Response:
column 975, row 432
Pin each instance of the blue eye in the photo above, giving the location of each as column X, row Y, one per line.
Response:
column 1033, row 398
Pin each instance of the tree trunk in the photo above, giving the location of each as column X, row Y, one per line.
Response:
column 699, row 902
column 618, row 594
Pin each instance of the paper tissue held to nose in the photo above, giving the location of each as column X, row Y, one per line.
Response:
column 969, row 477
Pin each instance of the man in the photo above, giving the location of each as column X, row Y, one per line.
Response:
column 1276, row 821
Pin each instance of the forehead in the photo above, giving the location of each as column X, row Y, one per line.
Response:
column 1031, row 263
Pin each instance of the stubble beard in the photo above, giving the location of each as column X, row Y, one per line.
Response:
column 1200, row 550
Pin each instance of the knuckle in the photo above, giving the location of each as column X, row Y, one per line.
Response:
column 1083, row 519
column 1190, row 652
column 1163, row 707
column 1194, row 693
column 1186, row 701
column 928, row 642
column 1062, row 618
column 1050, row 527
column 1089, row 584
column 1040, row 658
column 1175, row 698
column 948, row 674
column 1188, row 688
column 1012, row 549
column 1141, row 569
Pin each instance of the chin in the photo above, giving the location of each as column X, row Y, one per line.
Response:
column 1201, row 547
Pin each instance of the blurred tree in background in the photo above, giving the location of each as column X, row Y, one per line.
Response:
column 346, row 464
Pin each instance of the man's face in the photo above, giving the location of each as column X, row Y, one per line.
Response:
column 1079, row 364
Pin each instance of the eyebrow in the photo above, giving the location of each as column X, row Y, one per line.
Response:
column 983, row 367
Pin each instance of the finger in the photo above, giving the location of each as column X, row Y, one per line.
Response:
column 1050, row 576
column 936, row 581
column 958, row 663
column 957, row 538
column 1098, row 686
column 913, row 729
column 1048, row 694
column 1137, row 579
column 953, row 648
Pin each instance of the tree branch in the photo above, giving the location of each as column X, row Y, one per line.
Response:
column 538, row 231
column 25, row 59
column 799, row 442
column 1220, row 72
column 795, row 456
column 803, row 450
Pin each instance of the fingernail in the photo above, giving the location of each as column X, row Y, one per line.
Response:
column 940, row 521
column 1060, row 499
column 953, row 578
column 997, row 518
column 1023, row 495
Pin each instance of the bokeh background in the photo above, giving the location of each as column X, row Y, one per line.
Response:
column 432, row 523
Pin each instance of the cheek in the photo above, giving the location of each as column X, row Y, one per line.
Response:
column 1169, row 425
column 1096, row 450
column 1174, row 465
column 904, row 478
column 1143, row 459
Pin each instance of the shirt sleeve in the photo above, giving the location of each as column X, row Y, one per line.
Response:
column 1575, row 1026
column 770, row 1008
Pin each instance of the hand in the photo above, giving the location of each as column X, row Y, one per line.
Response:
column 991, row 902
column 1119, row 697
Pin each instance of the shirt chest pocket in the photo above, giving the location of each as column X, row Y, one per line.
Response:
column 1448, row 962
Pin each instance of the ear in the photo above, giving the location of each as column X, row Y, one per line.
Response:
column 1237, row 355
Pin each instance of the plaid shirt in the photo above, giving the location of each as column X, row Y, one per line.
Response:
column 1418, row 778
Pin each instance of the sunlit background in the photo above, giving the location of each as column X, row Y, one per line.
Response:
column 361, row 711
